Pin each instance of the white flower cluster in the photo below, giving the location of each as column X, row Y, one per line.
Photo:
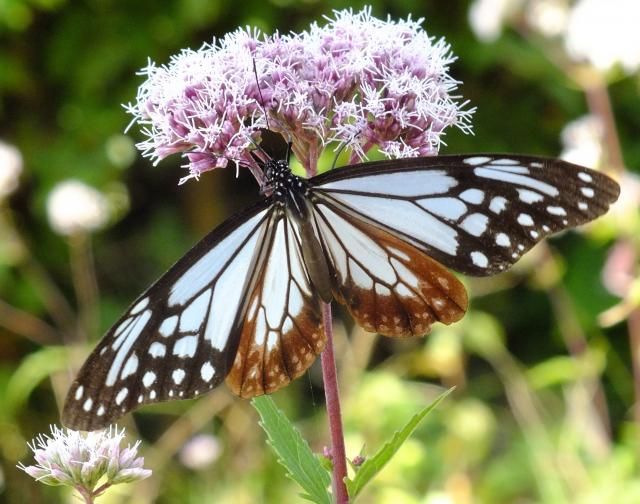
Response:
column 70, row 458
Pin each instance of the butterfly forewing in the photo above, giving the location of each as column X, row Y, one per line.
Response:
column 476, row 214
column 175, row 341
column 282, row 331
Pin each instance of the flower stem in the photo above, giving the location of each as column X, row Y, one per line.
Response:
column 332, row 396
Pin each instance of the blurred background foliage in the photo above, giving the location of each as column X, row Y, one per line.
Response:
column 546, row 405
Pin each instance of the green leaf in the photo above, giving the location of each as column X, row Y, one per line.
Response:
column 372, row 466
column 293, row 451
column 32, row 370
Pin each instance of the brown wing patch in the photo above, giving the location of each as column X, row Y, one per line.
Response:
column 388, row 285
column 282, row 331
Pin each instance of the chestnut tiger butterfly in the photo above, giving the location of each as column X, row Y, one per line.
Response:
column 244, row 304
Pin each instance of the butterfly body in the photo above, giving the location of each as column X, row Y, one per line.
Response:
column 244, row 305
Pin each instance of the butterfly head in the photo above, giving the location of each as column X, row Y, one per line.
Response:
column 280, row 181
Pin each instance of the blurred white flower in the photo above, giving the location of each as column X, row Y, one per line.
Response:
column 10, row 168
column 200, row 451
column 548, row 17
column 605, row 33
column 74, row 207
column 486, row 17
column 582, row 141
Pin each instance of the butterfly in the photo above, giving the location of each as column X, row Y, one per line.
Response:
column 244, row 304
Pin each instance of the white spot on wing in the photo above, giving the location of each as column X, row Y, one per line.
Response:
column 398, row 253
column 525, row 220
column 479, row 259
column 475, row 196
column 87, row 404
column 178, row 375
column 193, row 317
column 148, row 379
column 498, row 204
column 79, row 392
column 405, row 274
column 186, row 346
column 130, row 367
column 587, row 191
column 556, row 210
column 100, row 411
column 168, row 326
column 140, row 305
column 207, row 371
column 406, row 183
column 448, row 208
column 528, row 196
column 583, row 206
column 476, row 160
column 475, row 224
column 157, row 349
column 585, row 177
column 505, row 162
column 503, row 240
column 272, row 340
column 516, row 179
column 359, row 277
column 122, row 394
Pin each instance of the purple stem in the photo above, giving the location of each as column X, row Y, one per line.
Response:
column 330, row 379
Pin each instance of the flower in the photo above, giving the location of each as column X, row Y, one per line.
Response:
column 200, row 451
column 605, row 33
column 74, row 207
column 548, row 17
column 358, row 81
column 82, row 461
column 10, row 168
column 486, row 17
column 582, row 141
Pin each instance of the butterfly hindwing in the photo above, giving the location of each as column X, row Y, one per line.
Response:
column 476, row 214
column 282, row 331
column 388, row 285
column 175, row 341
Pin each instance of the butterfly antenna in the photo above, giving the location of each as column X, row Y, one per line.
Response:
column 341, row 148
column 264, row 110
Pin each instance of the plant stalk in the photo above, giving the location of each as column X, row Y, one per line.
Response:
column 332, row 396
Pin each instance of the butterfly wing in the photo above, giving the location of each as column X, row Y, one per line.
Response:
column 388, row 285
column 476, row 214
column 179, row 338
column 281, row 333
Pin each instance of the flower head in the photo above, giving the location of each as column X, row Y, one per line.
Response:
column 605, row 33
column 82, row 461
column 74, row 207
column 358, row 81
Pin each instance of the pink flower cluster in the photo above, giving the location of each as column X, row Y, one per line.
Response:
column 357, row 82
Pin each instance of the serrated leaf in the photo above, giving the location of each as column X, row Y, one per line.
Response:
column 372, row 466
column 293, row 451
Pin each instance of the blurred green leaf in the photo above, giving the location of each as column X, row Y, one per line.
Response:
column 32, row 370
column 293, row 451
column 374, row 465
